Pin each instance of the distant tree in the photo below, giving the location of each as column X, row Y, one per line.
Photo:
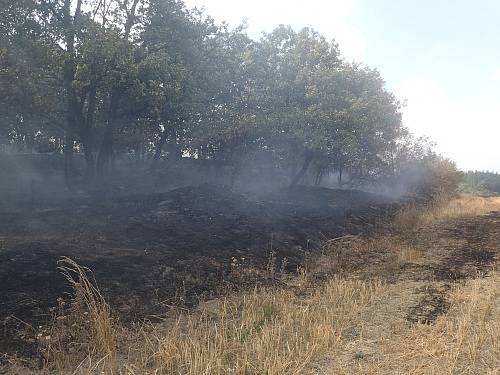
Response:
column 481, row 182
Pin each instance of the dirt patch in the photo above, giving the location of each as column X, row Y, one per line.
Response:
column 472, row 252
column 475, row 256
column 432, row 304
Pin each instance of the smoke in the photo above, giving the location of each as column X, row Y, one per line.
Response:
column 36, row 181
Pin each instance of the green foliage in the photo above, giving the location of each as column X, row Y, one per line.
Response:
column 444, row 178
column 481, row 183
column 128, row 77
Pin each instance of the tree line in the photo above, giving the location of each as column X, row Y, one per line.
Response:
column 481, row 182
column 154, row 80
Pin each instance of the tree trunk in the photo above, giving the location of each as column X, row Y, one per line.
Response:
column 159, row 148
column 72, row 104
column 89, row 163
column 105, row 151
column 68, row 158
column 307, row 161
column 173, row 148
column 319, row 177
column 105, row 155
column 86, row 133
column 71, row 121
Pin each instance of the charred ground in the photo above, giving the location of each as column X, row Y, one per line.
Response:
column 150, row 251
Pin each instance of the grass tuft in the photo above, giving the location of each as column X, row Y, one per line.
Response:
column 83, row 334
column 88, row 299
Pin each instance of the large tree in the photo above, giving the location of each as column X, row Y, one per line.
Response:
column 155, row 79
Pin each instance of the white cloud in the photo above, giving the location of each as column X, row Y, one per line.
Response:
column 332, row 18
column 466, row 130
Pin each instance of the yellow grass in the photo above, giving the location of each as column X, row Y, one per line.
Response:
column 305, row 327
column 444, row 209
column 409, row 254
column 465, row 340
column 88, row 299
column 265, row 332
column 84, row 333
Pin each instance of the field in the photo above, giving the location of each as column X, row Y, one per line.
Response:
column 416, row 293
column 185, row 193
column 149, row 252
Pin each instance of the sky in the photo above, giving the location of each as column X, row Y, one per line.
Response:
column 441, row 57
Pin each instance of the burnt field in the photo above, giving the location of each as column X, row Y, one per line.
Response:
column 151, row 251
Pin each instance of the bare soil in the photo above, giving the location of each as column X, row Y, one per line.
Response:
column 468, row 248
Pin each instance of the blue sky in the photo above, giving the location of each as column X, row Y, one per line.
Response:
column 442, row 57
column 453, row 41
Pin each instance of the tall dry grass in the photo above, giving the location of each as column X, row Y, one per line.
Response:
column 265, row 332
column 262, row 332
column 83, row 335
column 443, row 209
column 89, row 300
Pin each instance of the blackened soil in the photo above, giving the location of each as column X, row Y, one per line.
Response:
column 480, row 238
column 151, row 251
column 477, row 254
column 432, row 304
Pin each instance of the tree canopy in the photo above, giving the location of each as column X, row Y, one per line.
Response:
column 155, row 80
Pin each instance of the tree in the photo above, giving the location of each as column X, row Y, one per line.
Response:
column 153, row 79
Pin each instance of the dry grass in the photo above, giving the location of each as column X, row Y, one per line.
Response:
column 86, row 332
column 409, row 254
column 367, row 257
column 265, row 332
column 444, row 209
column 89, row 300
column 465, row 340
column 292, row 330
